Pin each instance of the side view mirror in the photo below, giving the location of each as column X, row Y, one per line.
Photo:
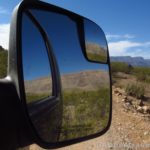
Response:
column 59, row 64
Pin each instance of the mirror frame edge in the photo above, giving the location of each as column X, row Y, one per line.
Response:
column 25, row 136
column 19, row 70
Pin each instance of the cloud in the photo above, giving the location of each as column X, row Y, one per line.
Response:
column 129, row 36
column 4, row 35
column 126, row 45
column 3, row 11
column 117, row 36
column 129, row 48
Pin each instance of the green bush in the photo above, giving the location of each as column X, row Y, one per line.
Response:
column 137, row 90
column 85, row 112
column 3, row 62
column 120, row 67
column 33, row 97
column 142, row 74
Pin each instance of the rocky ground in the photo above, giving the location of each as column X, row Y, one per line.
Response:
column 130, row 128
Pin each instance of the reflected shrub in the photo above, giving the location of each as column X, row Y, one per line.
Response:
column 85, row 113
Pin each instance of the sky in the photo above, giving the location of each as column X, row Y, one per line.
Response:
column 125, row 23
column 67, row 51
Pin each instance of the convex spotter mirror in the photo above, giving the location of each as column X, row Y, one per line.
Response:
column 65, row 75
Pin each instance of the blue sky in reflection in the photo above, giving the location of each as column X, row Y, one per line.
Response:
column 35, row 58
column 94, row 34
column 63, row 37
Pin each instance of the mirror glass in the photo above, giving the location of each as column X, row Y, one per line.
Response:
column 38, row 81
column 35, row 64
column 85, row 85
column 95, row 42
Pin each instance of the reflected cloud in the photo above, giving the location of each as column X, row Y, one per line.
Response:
column 117, row 36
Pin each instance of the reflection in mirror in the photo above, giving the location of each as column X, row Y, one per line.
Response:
column 35, row 64
column 86, row 102
column 95, row 42
column 38, row 83
column 85, row 85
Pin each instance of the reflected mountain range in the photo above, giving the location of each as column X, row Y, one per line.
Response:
column 84, row 80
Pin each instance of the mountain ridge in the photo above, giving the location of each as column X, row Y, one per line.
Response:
column 134, row 61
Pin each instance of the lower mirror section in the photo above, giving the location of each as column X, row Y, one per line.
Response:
column 86, row 103
column 86, row 106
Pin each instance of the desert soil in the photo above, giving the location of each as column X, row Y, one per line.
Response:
column 129, row 130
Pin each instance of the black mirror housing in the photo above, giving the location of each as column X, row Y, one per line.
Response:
column 16, row 72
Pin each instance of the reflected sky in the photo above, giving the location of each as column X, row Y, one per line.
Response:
column 62, row 33
column 94, row 34
column 35, row 58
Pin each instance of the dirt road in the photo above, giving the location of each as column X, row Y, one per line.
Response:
column 129, row 131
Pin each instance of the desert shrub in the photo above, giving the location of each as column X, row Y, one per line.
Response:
column 136, row 89
column 85, row 112
column 142, row 74
column 120, row 67
column 33, row 97
column 3, row 62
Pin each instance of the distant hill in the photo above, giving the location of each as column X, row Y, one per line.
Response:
column 134, row 61
column 3, row 62
column 95, row 48
column 84, row 80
